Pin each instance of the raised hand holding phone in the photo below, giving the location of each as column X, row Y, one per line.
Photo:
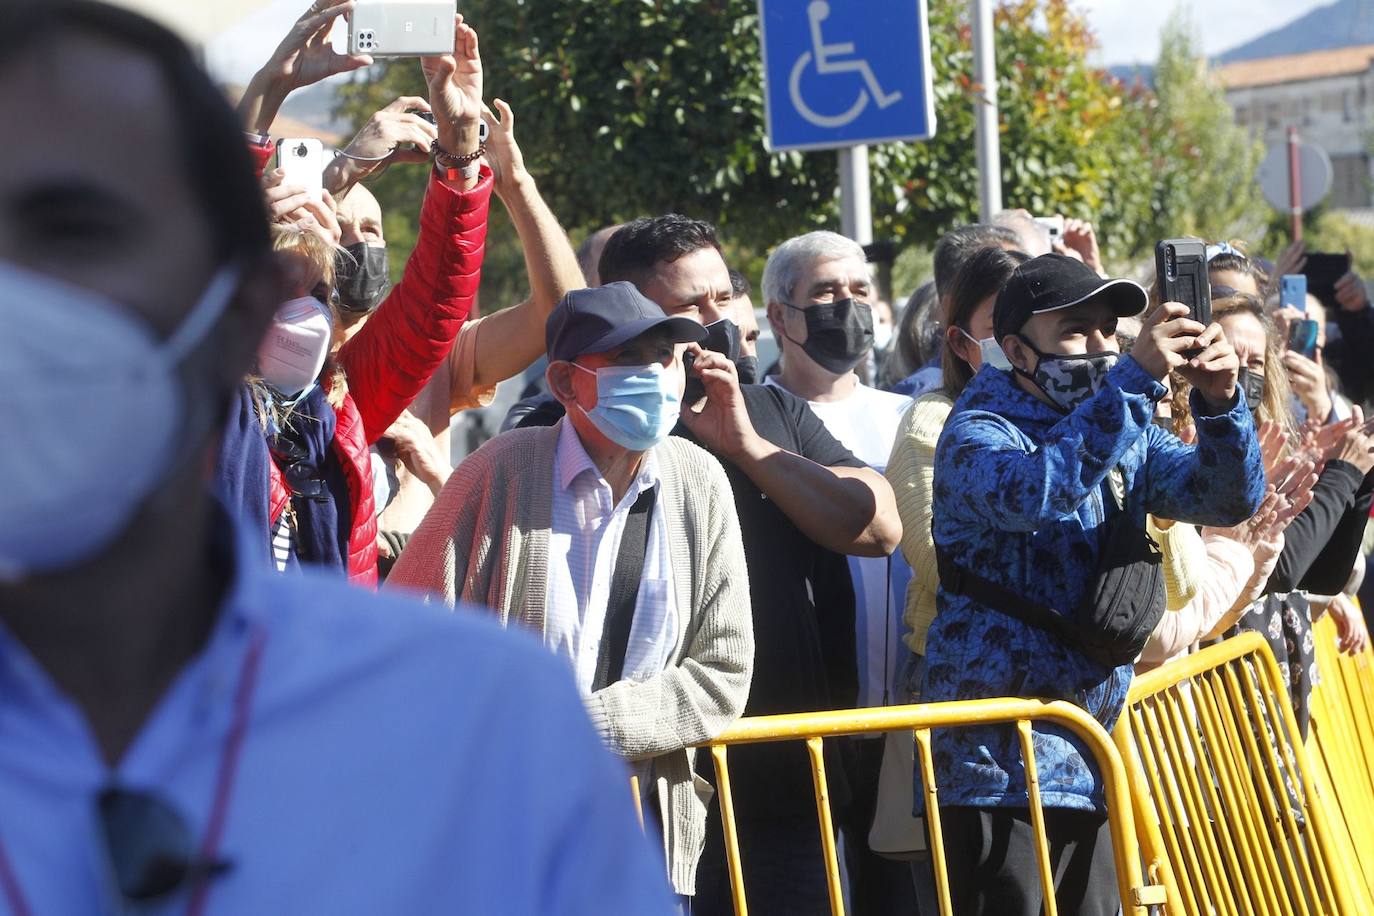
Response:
column 455, row 94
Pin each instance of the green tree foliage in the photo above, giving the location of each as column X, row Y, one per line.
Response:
column 631, row 107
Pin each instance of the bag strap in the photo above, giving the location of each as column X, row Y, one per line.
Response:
column 957, row 580
column 620, row 606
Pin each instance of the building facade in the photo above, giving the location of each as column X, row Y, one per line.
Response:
column 1327, row 95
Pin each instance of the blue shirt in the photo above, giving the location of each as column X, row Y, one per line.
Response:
column 397, row 759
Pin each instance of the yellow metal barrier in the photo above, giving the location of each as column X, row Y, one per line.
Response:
column 1225, row 792
column 1137, row 897
column 1341, row 743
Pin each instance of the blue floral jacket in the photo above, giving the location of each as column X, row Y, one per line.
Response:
column 1020, row 490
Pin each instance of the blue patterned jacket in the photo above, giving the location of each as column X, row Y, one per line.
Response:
column 1020, row 490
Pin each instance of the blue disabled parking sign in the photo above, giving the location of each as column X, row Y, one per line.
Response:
column 843, row 72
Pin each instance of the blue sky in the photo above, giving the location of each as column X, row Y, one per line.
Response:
column 1128, row 29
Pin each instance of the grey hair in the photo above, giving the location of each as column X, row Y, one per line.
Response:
column 1035, row 238
column 793, row 257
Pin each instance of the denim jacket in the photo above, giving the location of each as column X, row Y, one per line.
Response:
column 1021, row 491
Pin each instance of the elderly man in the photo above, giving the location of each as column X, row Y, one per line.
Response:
column 818, row 293
column 805, row 501
column 184, row 729
column 617, row 544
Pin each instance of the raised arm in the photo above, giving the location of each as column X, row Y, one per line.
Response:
column 304, row 57
column 513, row 338
column 393, row 357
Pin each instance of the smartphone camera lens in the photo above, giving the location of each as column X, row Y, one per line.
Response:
column 302, row 151
column 1170, row 263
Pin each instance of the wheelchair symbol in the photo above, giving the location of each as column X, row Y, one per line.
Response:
column 817, row 12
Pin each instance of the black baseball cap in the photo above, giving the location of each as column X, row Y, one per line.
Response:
column 1055, row 281
column 595, row 320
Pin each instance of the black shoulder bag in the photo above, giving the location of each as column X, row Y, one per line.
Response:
column 1120, row 608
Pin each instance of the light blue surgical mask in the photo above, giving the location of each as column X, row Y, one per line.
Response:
column 991, row 351
column 636, row 406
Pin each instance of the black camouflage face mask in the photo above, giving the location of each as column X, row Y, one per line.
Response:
column 1069, row 379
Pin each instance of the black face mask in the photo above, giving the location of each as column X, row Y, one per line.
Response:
column 721, row 337
column 838, row 334
column 748, row 368
column 1251, row 385
column 362, row 277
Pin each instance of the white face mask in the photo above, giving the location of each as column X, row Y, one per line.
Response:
column 294, row 349
column 94, row 406
column 882, row 336
column 990, row 351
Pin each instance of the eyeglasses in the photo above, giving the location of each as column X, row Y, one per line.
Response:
column 149, row 846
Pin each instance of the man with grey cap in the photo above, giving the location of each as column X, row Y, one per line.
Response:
column 1049, row 585
column 619, row 545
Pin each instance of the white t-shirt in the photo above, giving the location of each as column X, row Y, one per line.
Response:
column 866, row 423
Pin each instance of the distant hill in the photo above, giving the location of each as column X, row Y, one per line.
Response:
column 1338, row 25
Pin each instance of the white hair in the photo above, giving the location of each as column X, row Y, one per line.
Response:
column 790, row 260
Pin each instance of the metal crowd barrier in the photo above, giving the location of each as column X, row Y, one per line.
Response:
column 1137, row 896
column 1226, row 795
column 1340, row 741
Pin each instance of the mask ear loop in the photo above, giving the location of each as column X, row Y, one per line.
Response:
column 207, row 311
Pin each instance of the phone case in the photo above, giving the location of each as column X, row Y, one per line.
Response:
column 405, row 28
column 302, row 161
column 1322, row 271
column 1293, row 291
column 1302, row 338
column 1181, row 269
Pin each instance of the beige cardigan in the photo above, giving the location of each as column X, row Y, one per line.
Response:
column 911, row 471
column 486, row 541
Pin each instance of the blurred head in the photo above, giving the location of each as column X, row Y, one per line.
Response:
column 742, row 311
column 817, row 291
column 363, row 273
column 360, row 218
column 589, row 253
column 1031, row 237
column 675, row 261
column 145, row 224
column 912, row 342
column 958, row 245
column 1230, row 267
column 968, row 313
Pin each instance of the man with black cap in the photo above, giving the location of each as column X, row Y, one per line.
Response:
column 618, row 544
column 1043, row 478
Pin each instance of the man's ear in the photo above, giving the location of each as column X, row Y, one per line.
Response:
column 1018, row 353
column 559, row 376
column 776, row 314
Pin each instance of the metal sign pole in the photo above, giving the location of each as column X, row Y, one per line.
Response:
column 856, row 211
column 1294, row 185
column 988, row 140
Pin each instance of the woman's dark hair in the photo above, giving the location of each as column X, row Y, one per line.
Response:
column 213, row 151
column 983, row 275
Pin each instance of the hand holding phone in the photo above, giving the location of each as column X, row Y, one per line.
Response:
column 1323, row 271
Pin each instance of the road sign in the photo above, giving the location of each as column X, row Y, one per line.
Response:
column 843, row 73
column 1316, row 175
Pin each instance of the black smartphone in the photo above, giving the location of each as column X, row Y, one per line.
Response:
column 1181, row 271
column 1322, row 271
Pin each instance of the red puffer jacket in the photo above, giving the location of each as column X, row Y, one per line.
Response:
column 400, row 347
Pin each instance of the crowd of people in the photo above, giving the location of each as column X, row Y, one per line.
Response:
column 251, row 614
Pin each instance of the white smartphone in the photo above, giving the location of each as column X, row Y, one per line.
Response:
column 1054, row 225
column 402, row 28
column 302, row 159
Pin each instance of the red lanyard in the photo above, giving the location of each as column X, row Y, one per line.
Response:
column 224, row 787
